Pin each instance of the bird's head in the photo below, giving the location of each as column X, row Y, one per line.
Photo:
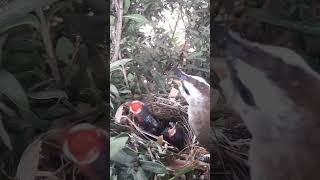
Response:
column 193, row 88
column 172, row 129
column 271, row 82
column 83, row 143
column 136, row 107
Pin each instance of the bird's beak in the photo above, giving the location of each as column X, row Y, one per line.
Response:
column 180, row 75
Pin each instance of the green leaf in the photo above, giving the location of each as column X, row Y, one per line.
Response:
column 154, row 167
column 117, row 144
column 111, row 104
column 139, row 174
column 10, row 87
column 19, row 8
column 136, row 17
column 29, row 19
column 4, row 135
column 114, row 90
column 308, row 27
column 159, row 82
column 64, row 50
column 183, row 171
column 48, row 94
column 125, row 157
column 117, row 65
column 130, row 77
column 126, row 6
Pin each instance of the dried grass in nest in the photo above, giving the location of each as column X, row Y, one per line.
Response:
column 232, row 138
column 174, row 110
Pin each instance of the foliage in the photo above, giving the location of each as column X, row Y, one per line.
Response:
column 46, row 81
column 152, row 40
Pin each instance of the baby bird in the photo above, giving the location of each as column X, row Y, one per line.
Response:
column 145, row 119
column 175, row 135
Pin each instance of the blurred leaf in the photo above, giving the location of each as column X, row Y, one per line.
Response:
column 114, row 90
column 118, row 64
column 183, row 171
column 111, row 105
column 64, row 50
column 139, row 174
column 160, row 81
column 28, row 165
column 48, row 94
column 3, row 39
column 19, row 8
column 4, row 135
column 10, row 87
column 130, row 77
column 136, row 17
column 124, row 158
column 126, row 6
column 154, row 167
column 117, row 144
column 29, row 19
column 191, row 66
column 126, row 91
column 308, row 27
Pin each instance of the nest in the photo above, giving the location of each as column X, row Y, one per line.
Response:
column 167, row 109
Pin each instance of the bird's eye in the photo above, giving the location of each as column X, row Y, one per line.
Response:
column 185, row 89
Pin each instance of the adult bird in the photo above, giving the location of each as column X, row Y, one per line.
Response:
column 276, row 94
column 196, row 91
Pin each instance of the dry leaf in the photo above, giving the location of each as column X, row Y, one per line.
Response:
column 118, row 115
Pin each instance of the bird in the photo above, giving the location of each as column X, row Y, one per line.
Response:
column 196, row 92
column 85, row 145
column 175, row 135
column 145, row 119
column 276, row 93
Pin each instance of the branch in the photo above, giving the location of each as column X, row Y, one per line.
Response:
column 119, row 9
column 45, row 32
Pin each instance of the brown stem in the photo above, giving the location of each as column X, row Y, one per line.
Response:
column 52, row 61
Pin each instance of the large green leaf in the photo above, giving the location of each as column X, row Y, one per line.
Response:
column 64, row 50
column 19, row 8
column 117, row 144
column 136, row 17
column 10, row 87
column 308, row 27
column 28, row 19
column 117, row 65
column 139, row 174
column 126, row 6
column 153, row 167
